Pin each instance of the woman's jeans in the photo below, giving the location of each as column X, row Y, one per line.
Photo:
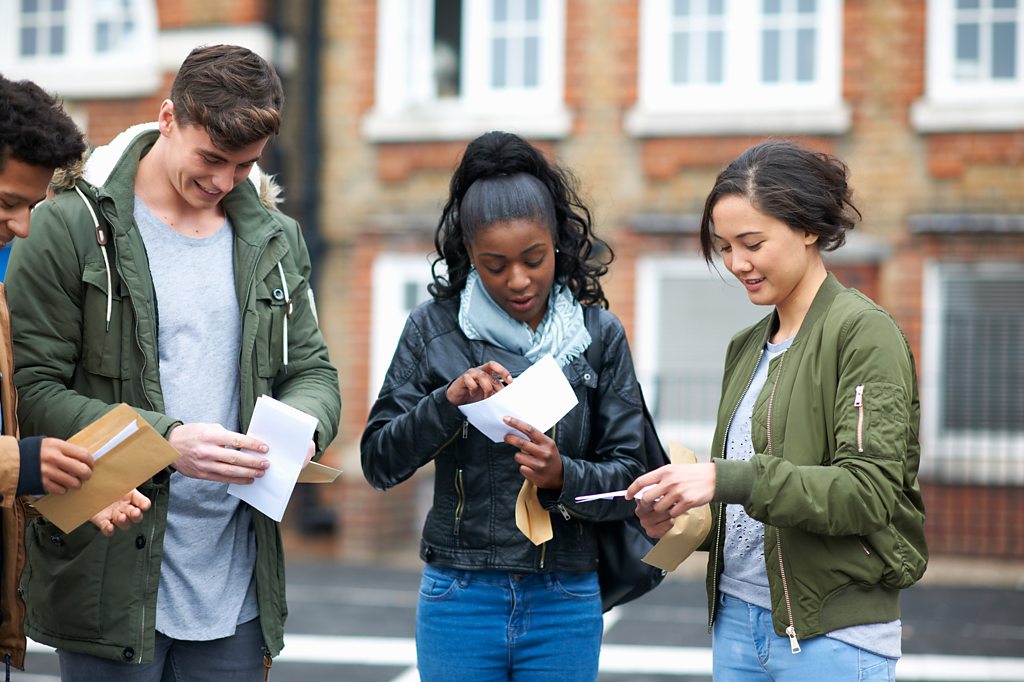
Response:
column 477, row 626
column 745, row 648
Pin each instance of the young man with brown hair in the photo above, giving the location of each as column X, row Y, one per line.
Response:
column 166, row 280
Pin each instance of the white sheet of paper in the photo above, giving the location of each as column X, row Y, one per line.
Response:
column 287, row 432
column 116, row 440
column 540, row 396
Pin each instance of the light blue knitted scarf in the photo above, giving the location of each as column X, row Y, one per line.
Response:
column 562, row 332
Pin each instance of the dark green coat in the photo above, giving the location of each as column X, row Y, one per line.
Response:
column 84, row 592
column 834, row 475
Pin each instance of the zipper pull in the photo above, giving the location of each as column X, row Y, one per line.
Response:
column 465, row 430
column 858, row 398
column 794, row 644
column 565, row 513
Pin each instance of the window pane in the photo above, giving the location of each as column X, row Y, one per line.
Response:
column 1004, row 4
column 56, row 40
column 983, row 386
column 532, row 10
column 1004, row 50
column 681, row 8
column 681, row 57
column 500, row 10
column 967, row 42
column 805, row 55
column 716, row 8
column 28, row 42
column 770, row 56
column 103, row 36
column 58, row 5
column 531, row 67
column 499, row 63
column 967, row 4
column 716, row 58
column 806, row 6
column 772, row 6
column 447, row 47
column 29, row 6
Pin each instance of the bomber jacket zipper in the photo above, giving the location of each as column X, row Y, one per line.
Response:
column 858, row 402
column 721, row 505
column 794, row 643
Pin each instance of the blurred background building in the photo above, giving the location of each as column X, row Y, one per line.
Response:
column 646, row 100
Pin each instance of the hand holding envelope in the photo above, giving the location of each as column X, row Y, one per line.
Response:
column 687, row 531
column 287, row 433
column 539, row 397
column 126, row 452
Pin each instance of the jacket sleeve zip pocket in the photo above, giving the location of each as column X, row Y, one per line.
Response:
column 858, row 402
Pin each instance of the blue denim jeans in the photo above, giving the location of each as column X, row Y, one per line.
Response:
column 745, row 648
column 483, row 626
column 238, row 658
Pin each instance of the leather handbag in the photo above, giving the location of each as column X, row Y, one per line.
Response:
column 621, row 545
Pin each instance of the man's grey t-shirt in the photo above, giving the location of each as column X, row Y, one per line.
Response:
column 209, row 552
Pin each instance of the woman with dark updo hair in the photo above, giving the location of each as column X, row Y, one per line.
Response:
column 517, row 264
column 818, row 518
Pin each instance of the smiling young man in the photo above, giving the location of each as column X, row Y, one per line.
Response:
column 169, row 281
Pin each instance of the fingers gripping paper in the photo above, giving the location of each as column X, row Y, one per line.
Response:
column 688, row 531
column 127, row 453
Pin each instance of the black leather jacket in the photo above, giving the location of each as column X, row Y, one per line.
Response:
column 472, row 522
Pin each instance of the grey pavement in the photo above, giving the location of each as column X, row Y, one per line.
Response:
column 355, row 623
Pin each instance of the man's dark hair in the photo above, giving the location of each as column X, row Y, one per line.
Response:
column 35, row 129
column 231, row 92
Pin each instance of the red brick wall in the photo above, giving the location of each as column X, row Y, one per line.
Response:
column 974, row 520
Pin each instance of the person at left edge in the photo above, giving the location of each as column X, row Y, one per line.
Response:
column 37, row 137
column 197, row 304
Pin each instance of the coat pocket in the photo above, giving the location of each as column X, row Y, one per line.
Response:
column 881, row 420
column 63, row 580
column 101, row 322
column 273, row 308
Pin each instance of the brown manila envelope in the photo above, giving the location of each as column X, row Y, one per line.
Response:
column 688, row 530
column 315, row 472
column 127, row 465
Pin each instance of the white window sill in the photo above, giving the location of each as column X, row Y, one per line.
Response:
column 92, row 79
column 832, row 120
column 973, row 116
column 435, row 124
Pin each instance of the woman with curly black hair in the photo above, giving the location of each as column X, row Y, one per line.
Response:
column 517, row 262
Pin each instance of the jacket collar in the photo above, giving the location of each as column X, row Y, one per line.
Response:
column 827, row 292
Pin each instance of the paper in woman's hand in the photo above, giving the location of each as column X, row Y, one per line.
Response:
column 540, row 396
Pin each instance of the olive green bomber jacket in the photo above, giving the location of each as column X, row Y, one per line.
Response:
column 834, row 477
column 83, row 346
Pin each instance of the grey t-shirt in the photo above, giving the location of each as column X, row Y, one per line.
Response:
column 209, row 552
column 744, row 575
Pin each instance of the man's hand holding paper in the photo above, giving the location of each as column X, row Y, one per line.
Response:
column 213, row 453
column 286, row 433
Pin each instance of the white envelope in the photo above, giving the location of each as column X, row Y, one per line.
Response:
column 540, row 396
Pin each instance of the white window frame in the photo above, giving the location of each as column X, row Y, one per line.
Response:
column 392, row 272
column 81, row 71
column 981, row 455
column 741, row 104
column 951, row 105
column 406, row 108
